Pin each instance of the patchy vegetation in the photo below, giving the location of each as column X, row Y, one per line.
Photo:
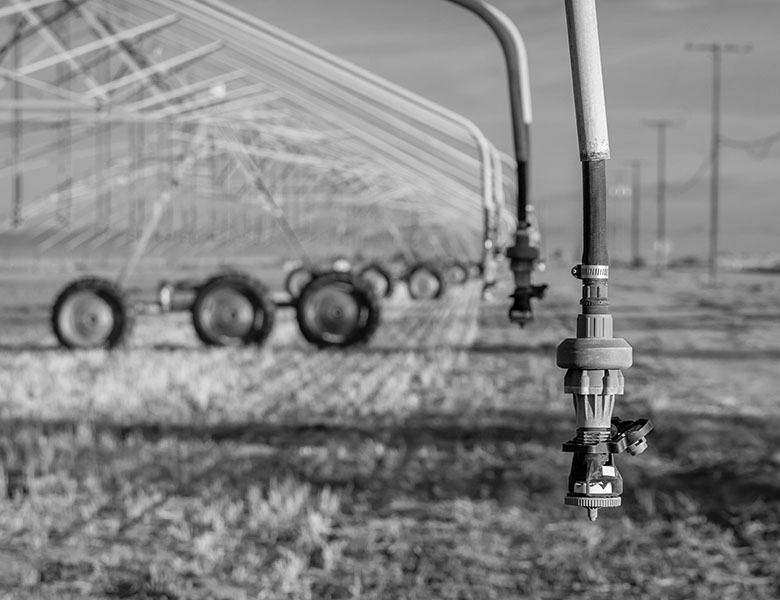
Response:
column 426, row 465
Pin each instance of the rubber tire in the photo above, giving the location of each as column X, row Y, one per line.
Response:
column 359, row 289
column 457, row 273
column 258, row 295
column 433, row 270
column 382, row 272
column 289, row 281
column 113, row 295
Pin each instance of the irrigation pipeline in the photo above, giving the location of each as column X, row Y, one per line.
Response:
column 426, row 109
column 516, row 58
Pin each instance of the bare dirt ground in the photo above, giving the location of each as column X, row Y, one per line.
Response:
column 425, row 465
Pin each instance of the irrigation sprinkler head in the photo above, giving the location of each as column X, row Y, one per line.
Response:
column 594, row 361
column 594, row 480
column 524, row 257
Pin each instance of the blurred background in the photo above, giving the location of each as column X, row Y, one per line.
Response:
column 445, row 54
column 254, row 334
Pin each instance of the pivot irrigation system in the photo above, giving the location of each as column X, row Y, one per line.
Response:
column 138, row 129
column 594, row 359
column 149, row 129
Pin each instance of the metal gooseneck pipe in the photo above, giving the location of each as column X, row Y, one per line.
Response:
column 524, row 255
column 516, row 58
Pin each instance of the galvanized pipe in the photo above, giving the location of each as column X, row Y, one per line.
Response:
column 515, row 55
column 589, row 103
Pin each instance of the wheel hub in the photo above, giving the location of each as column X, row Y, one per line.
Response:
column 87, row 319
column 335, row 313
column 424, row 284
column 229, row 314
column 377, row 282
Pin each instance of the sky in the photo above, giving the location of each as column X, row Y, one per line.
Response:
column 444, row 53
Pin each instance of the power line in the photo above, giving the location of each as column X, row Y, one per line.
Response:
column 758, row 149
column 679, row 189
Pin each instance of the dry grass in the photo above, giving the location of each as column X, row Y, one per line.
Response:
column 425, row 465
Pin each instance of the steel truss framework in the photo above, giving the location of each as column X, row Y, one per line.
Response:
column 140, row 126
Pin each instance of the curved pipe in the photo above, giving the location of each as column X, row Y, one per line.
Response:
column 516, row 58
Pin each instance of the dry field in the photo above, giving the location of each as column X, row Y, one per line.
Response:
column 425, row 465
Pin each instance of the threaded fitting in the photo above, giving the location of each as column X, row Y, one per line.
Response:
column 592, row 435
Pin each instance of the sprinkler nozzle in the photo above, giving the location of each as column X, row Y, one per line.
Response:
column 594, row 362
column 524, row 258
column 521, row 311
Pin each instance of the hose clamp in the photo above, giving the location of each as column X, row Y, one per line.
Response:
column 590, row 271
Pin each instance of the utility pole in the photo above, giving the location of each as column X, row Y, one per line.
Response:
column 620, row 192
column 636, row 186
column 661, row 243
column 716, row 50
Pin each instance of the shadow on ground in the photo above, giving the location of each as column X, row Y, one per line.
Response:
column 720, row 465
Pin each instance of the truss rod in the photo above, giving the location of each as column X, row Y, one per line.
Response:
column 69, row 55
column 54, row 42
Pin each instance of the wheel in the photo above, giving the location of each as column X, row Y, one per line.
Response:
column 233, row 310
column 91, row 312
column 297, row 279
column 425, row 282
column 379, row 278
column 165, row 291
column 457, row 273
column 337, row 309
